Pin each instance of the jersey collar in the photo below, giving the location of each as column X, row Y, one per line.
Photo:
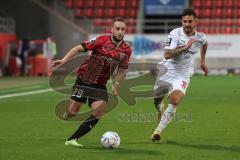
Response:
column 187, row 35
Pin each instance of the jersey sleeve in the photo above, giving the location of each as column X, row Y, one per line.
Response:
column 172, row 40
column 204, row 39
column 92, row 43
column 125, row 58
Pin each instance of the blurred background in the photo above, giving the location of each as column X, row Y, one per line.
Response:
column 33, row 32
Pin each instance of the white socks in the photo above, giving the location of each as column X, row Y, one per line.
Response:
column 166, row 117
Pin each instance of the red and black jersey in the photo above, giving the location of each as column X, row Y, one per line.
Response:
column 105, row 57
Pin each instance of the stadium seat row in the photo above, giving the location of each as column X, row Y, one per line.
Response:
column 101, row 3
column 105, row 13
column 215, row 3
column 218, row 13
column 219, row 22
column 217, row 30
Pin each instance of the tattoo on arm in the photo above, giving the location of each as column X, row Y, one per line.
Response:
column 178, row 51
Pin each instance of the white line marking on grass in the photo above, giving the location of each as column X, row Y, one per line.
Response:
column 25, row 93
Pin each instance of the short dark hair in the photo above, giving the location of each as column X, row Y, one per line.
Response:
column 119, row 19
column 188, row 12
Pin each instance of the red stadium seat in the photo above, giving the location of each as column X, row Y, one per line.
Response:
column 109, row 13
column 197, row 11
column 215, row 23
column 88, row 12
column 205, row 22
column 69, row 3
column 132, row 22
column 132, row 13
column 228, row 30
column 237, row 23
column 131, row 30
column 217, row 13
column 107, row 22
column 99, row 13
column 207, row 3
column 108, row 30
column 121, row 12
column 229, row 12
column 206, row 13
column 218, row 3
column 89, row 3
column 238, row 30
column 228, row 22
column 237, row 13
column 234, row 30
column 216, row 30
column 197, row 3
column 79, row 3
column 100, row 4
column 122, row 4
column 133, row 3
column 111, row 4
column 98, row 22
column 229, row 3
column 205, row 30
column 237, row 3
column 78, row 13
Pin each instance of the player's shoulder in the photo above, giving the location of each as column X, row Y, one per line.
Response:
column 127, row 46
column 103, row 37
column 176, row 32
column 201, row 34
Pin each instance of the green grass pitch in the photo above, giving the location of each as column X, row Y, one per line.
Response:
column 207, row 126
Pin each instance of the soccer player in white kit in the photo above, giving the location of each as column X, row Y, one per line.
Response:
column 177, row 67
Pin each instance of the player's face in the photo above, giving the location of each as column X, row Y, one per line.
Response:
column 118, row 30
column 188, row 23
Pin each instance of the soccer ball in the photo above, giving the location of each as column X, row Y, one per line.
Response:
column 110, row 140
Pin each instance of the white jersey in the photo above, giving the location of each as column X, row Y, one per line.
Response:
column 182, row 65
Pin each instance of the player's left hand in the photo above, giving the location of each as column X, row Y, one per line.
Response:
column 115, row 88
column 204, row 68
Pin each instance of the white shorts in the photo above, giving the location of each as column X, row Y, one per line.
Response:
column 167, row 83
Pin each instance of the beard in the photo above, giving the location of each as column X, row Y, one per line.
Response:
column 117, row 39
column 188, row 29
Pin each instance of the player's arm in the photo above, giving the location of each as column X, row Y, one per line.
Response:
column 70, row 54
column 171, row 53
column 203, row 64
column 117, row 79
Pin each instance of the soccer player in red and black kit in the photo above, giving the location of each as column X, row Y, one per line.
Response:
column 110, row 53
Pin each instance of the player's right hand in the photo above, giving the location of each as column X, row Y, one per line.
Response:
column 190, row 42
column 57, row 63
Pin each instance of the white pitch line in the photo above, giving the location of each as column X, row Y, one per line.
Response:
column 25, row 93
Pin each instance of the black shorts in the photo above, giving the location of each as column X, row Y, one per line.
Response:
column 83, row 91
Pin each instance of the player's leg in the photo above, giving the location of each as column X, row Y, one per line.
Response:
column 176, row 94
column 98, row 108
column 159, row 105
column 161, row 88
column 72, row 109
column 167, row 116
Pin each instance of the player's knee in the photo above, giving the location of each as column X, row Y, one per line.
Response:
column 174, row 100
column 98, row 113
